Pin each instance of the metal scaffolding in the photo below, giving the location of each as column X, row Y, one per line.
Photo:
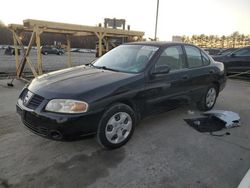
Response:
column 37, row 27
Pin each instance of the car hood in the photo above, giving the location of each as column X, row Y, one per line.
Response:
column 80, row 82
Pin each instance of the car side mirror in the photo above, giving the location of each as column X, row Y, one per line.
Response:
column 163, row 69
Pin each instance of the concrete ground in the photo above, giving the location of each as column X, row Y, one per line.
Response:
column 163, row 152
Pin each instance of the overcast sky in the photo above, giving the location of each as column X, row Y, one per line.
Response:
column 176, row 17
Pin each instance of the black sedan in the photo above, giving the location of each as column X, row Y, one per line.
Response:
column 45, row 50
column 110, row 96
column 237, row 61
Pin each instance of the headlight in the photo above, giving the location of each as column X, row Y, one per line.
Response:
column 67, row 106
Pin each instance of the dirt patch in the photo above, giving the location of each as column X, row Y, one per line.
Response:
column 79, row 171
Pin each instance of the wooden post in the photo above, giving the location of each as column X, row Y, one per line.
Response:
column 68, row 50
column 100, row 37
column 100, row 45
column 39, row 55
column 107, row 44
column 16, row 52
column 25, row 59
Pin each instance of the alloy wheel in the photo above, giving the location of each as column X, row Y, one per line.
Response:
column 211, row 97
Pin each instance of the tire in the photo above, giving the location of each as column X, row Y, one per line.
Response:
column 116, row 126
column 208, row 99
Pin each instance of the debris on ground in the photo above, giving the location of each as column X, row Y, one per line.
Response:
column 190, row 112
column 231, row 119
column 206, row 124
column 215, row 120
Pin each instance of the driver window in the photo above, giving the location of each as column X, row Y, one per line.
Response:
column 172, row 57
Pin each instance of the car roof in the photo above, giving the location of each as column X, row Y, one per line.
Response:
column 156, row 43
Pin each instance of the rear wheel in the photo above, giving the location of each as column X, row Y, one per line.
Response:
column 116, row 126
column 208, row 99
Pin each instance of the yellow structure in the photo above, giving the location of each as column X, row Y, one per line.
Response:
column 37, row 27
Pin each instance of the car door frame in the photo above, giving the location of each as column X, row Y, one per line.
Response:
column 200, row 77
column 157, row 87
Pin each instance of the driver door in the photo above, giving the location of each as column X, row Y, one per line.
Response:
column 167, row 89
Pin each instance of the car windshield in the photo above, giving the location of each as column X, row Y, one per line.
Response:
column 226, row 52
column 127, row 58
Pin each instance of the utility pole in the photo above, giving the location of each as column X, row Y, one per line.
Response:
column 156, row 21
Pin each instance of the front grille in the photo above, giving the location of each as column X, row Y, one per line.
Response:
column 35, row 101
column 34, row 123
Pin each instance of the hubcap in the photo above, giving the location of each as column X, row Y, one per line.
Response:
column 211, row 97
column 118, row 127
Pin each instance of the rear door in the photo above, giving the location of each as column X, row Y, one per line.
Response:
column 167, row 89
column 199, row 71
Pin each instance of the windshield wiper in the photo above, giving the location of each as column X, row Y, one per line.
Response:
column 105, row 68
column 89, row 65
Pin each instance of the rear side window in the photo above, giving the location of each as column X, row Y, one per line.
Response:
column 205, row 59
column 193, row 56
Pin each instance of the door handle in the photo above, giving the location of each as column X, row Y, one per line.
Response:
column 185, row 77
column 212, row 71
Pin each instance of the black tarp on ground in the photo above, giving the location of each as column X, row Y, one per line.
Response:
column 206, row 124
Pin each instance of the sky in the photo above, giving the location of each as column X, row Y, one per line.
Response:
column 176, row 17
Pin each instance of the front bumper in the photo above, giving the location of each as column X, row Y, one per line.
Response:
column 57, row 126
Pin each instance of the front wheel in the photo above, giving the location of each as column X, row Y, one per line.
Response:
column 208, row 98
column 116, row 126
